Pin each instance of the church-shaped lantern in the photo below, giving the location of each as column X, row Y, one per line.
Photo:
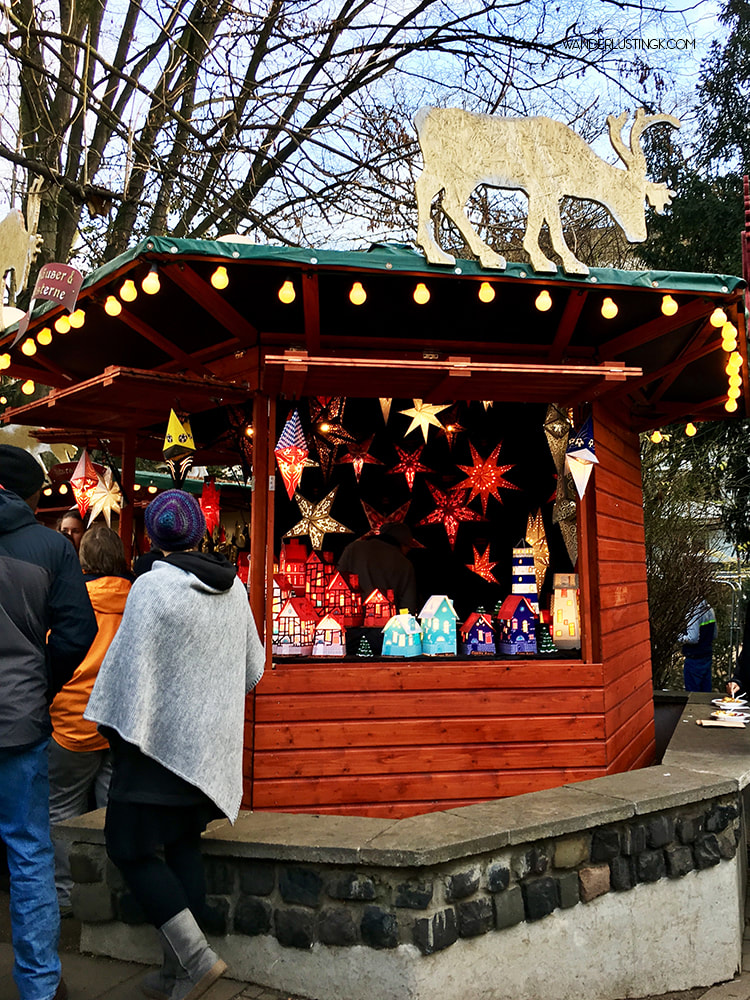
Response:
column 343, row 602
column 402, row 636
column 517, row 623
column 438, row 621
column 292, row 563
column 315, row 580
column 524, row 574
column 329, row 639
column 478, row 635
column 295, row 628
column 378, row 609
column 565, row 612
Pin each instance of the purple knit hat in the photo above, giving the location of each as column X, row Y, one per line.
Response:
column 175, row 521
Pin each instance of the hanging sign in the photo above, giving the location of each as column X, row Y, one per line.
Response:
column 58, row 283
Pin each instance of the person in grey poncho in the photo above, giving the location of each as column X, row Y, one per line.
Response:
column 170, row 698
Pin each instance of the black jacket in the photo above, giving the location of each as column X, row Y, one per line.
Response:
column 46, row 621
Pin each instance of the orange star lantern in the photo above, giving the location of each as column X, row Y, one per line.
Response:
column 485, row 477
column 482, row 565
column 450, row 512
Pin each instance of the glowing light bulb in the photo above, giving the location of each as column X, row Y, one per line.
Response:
column 63, row 488
column 735, row 379
column 3, row 400
column 669, row 305
column 48, row 491
column 28, row 387
column 731, row 405
column 421, row 294
column 4, row 361
column 287, row 294
column 220, row 278
column 728, row 331
column 486, row 292
column 729, row 345
column 136, row 487
column 357, row 295
column 151, row 284
column 735, row 360
column 249, row 431
column 657, row 437
column 152, row 488
column 77, row 318
column 718, row 317
column 324, row 428
column 734, row 392
column 691, row 430
column 609, row 308
column 128, row 291
column 28, row 347
column 44, row 337
column 543, row 301
column 112, row 306
column 62, row 324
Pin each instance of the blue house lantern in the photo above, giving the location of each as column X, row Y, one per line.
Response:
column 517, row 621
column 478, row 635
column 402, row 636
column 438, row 620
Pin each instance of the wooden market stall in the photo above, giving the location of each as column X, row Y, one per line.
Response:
column 390, row 736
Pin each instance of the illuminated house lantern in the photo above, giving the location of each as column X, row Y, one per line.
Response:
column 566, row 619
column 378, row 610
column 282, row 591
column 329, row 637
column 438, row 621
column 295, row 628
column 315, row 580
column 292, row 563
column 524, row 574
column 517, row 621
column 478, row 634
column 402, row 636
column 343, row 602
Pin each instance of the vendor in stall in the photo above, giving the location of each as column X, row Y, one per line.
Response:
column 381, row 561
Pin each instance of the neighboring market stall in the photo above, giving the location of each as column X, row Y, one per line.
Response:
column 445, row 397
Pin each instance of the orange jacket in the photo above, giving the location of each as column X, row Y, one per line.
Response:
column 108, row 595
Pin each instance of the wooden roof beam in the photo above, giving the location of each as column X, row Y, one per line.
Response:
column 311, row 309
column 170, row 349
column 212, row 301
column 57, row 379
column 704, row 343
column 654, row 329
column 567, row 325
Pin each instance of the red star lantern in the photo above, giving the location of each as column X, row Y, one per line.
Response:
column 83, row 482
column 450, row 512
column 485, row 477
column 291, row 453
column 210, row 505
column 410, row 464
column 358, row 455
column 326, row 414
column 377, row 520
column 482, row 565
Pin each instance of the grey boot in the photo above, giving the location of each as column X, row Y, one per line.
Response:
column 202, row 965
column 159, row 984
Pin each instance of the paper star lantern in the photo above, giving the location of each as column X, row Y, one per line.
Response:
column 241, row 431
column 317, row 520
column 210, row 502
column 450, row 512
column 580, row 456
column 358, row 455
column 291, row 453
column 409, row 464
column 178, row 448
column 537, row 539
column 482, row 565
column 385, row 407
column 557, row 427
column 105, row 498
column 487, row 403
column 376, row 520
column 485, row 477
column 423, row 415
column 450, row 429
column 83, row 482
column 326, row 414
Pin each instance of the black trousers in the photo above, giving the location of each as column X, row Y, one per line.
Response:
column 158, row 850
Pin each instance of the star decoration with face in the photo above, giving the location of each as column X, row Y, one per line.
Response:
column 326, row 414
column 409, row 464
column 317, row 520
column 450, row 512
column 105, row 498
column 358, row 455
column 485, row 477
column 537, row 539
column 423, row 415
column 482, row 565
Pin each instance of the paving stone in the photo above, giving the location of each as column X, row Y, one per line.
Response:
column 569, row 889
column 605, row 845
column 706, row 851
column 727, row 843
column 257, row 878
column 660, row 831
column 650, row 866
column 688, row 828
column 475, row 917
column 572, row 851
column 540, row 897
column 379, row 928
column 462, row 884
column 509, row 908
column 300, row 885
column 295, row 928
column 498, row 878
column 220, row 876
column 348, row 885
column 634, row 838
column 679, row 858
column 252, row 916
column 622, row 873
column 594, row 881
column 336, row 926
column 719, row 818
column 414, row 895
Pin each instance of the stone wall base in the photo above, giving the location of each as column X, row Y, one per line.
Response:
column 656, row 938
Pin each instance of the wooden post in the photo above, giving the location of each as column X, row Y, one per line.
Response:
column 259, row 512
column 128, row 482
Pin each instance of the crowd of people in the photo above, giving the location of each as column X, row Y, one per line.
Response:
column 105, row 702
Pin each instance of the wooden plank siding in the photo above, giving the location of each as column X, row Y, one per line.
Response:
column 397, row 738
